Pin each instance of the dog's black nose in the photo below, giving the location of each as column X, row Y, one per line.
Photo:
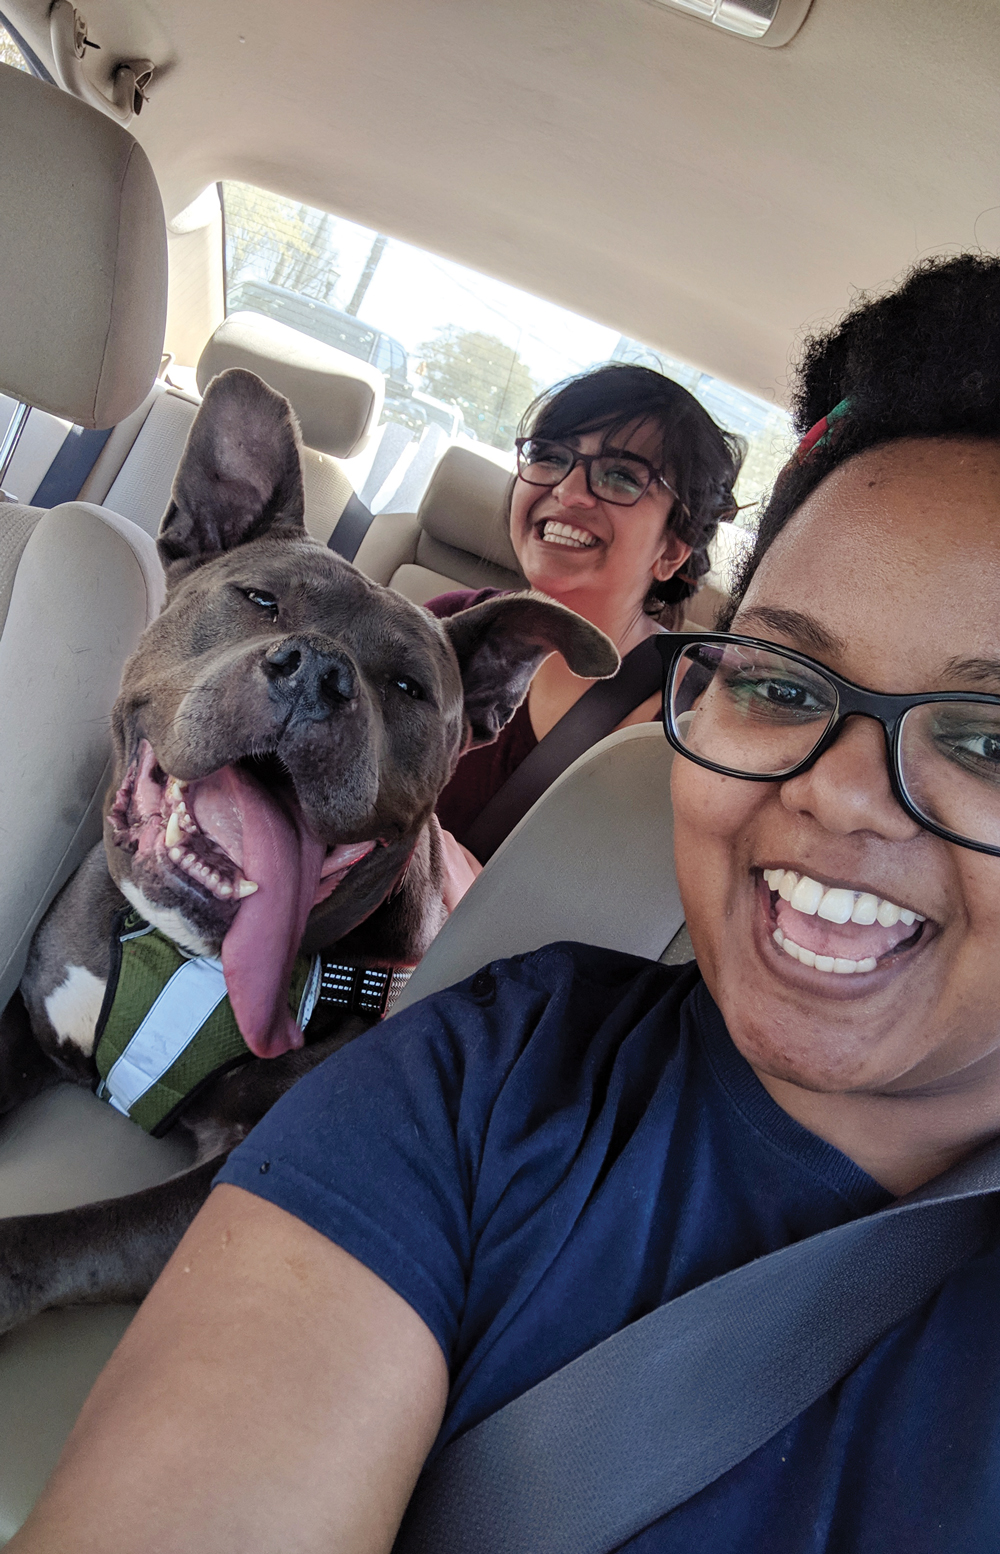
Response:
column 309, row 679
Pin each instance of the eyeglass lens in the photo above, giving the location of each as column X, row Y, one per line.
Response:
column 757, row 713
column 613, row 477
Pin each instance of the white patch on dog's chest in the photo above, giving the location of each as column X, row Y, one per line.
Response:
column 169, row 921
column 73, row 1008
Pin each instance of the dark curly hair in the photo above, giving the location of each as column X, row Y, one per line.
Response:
column 703, row 461
column 923, row 361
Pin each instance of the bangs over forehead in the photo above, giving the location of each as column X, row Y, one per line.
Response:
column 699, row 459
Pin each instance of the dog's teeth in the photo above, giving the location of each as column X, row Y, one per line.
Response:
column 245, row 888
column 174, row 789
column 173, row 834
column 175, row 855
column 215, row 876
column 189, row 859
column 225, row 889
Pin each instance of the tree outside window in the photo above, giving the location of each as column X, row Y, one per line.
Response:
column 485, row 378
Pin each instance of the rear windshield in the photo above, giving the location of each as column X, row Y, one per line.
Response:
column 479, row 349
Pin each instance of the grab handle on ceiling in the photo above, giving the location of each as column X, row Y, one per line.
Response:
column 129, row 78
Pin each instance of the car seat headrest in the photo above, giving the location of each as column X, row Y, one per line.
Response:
column 464, row 506
column 337, row 398
column 83, row 257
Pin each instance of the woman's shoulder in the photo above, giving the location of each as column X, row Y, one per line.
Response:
column 443, row 605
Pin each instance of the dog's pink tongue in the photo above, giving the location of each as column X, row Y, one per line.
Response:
column 284, row 861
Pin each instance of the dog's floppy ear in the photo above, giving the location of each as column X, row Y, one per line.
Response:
column 240, row 475
column 501, row 643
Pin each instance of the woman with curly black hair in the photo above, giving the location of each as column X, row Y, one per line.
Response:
column 521, row 1168
column 622, row 481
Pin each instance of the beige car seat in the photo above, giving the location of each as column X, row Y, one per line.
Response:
column 337, row 399
column 82, row 305
column 457, row 538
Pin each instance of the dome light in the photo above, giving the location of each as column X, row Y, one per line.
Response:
column 771, row 22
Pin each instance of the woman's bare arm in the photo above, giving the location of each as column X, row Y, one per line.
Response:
column 272, row 1396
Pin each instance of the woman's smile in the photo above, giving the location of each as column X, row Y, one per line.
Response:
column 836, row 930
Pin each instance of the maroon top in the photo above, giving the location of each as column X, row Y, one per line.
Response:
column 483, row 771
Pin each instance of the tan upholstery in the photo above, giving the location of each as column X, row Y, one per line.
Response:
column 333, row 395
column 463, row 507
column 82, row 257
column 85, row 584
column 141, row 489
column 457, row 539
column 592, row 861
column 337, row 398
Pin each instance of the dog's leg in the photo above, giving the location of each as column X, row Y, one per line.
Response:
column 24, row 1068
column 110, row 1251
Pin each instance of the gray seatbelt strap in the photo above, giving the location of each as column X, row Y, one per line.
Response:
column 76, row 457
column 351, row 528
column 597, row 713
column 636, row 1426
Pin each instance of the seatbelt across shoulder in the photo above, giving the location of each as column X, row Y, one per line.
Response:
column 597, row 713
column 628, row 1431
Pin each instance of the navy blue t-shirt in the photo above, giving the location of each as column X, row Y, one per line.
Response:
column 556, row 1146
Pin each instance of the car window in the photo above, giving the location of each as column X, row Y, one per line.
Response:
column 383, row 357
column 10, row 54
column 477, row 348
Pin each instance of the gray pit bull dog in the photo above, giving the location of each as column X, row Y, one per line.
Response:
column 281, row 736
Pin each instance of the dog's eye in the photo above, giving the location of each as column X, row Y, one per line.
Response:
column 410, row 688
column 266, row 601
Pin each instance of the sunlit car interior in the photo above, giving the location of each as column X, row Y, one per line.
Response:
column 410, row 220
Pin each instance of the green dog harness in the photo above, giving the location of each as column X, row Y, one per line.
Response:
column 167, row 1027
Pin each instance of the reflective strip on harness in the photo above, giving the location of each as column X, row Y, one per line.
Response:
column 169, row 1028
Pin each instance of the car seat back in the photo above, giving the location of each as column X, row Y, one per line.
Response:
column 593, row 861
column 458, row 537
column 82, row 306
column 336, row 398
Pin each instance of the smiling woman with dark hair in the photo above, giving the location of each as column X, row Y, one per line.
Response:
column 495, row 1181
column 622, row 481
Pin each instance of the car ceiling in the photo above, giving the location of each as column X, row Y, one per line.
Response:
column 710, row 196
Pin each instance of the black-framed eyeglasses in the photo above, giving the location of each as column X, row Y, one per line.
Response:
column 612, row 475
column 764, row 713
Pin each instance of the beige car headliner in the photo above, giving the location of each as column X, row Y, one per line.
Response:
column 707, row 195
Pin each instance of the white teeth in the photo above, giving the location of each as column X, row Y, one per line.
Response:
column 173, row 832
column 835, row 904
column 839, row 966
column 246, row 888
column 225, row 889
column 565, row 534
column 176, row 855
column 174, row 789
column 806, row 896
column 189, row 859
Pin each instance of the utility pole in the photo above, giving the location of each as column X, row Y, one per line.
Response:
column 371, row 265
